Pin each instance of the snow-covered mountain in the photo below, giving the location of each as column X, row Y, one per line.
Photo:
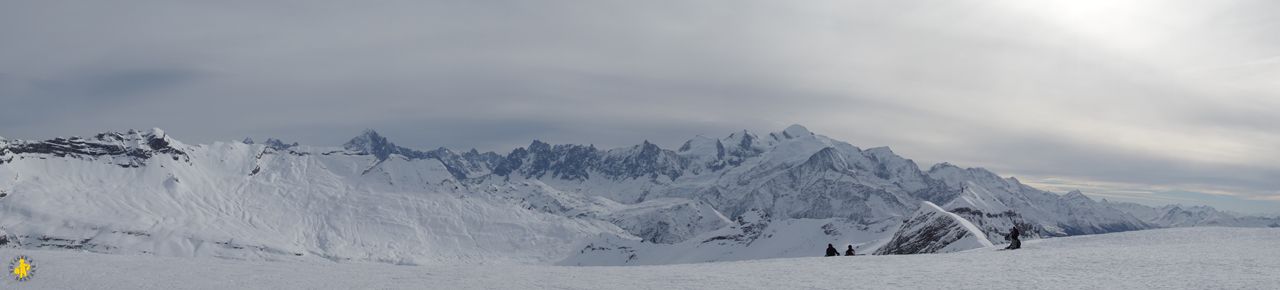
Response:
column 1192, row 216
column 145, row 193
column 743, row 196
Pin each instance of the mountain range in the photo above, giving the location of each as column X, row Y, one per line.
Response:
column 737, row 197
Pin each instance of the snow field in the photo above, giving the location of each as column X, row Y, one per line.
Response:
column 1183, row 258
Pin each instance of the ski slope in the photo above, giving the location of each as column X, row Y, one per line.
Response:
column 1181, row 258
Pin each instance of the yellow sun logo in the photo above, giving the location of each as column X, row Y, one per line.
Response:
column 22, row 268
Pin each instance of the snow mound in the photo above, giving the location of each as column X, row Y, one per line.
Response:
column 934, row 230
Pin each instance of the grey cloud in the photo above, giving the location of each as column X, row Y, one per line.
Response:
column 1046, row 155
column 79, row 93
column 1255, row 118
column 1003, row 84
column 112, row 84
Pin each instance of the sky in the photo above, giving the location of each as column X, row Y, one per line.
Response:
column 1170, row 101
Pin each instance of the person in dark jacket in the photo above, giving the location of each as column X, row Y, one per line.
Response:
column 831, row 251
column 1014, row 241
column 849, row 252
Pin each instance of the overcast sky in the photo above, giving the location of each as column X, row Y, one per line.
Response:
column 1149, row 101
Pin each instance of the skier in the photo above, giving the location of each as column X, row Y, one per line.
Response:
column 849, row 252
column 1014, row 242
column 831, row 251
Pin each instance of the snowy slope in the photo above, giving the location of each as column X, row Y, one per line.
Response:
column 754, row 235
column 1187, row 258
column 243, row 201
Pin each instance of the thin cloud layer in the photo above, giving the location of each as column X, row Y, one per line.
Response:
column 1116, row 97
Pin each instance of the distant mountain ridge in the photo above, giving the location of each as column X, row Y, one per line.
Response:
column 1175, row 215
column 743, row 196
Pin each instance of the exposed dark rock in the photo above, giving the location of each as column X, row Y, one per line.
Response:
column 105, row 144
column 277, row 144
column 929, row 230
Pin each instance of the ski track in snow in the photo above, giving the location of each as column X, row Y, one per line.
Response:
column 1183, row 258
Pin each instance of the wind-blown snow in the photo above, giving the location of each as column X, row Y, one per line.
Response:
column 1184, row 258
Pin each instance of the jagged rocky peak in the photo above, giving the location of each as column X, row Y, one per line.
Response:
column 488, row 157
column 137, row 145
column 247, row 140
column 643, row 151
column 645, row 159
column 462, row 166
column 648, row 149
column 742, row 145
column 369, row 142
column 154, row 139
column 541, row 159
column 537, row 147
column 276, row 144
column 157, row 139
column 705, row 152
column 746, row 141
column 741, row 140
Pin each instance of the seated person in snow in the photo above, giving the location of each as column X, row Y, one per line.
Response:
column 849, row 252
column 831, row 251
column 1014, row 241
